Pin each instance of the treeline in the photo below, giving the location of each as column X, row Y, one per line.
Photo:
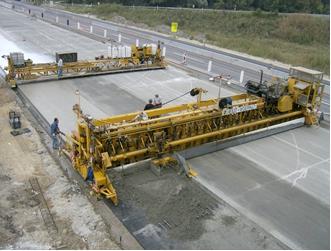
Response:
column 290, row 6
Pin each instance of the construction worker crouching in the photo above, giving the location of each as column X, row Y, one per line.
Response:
column 141, row 117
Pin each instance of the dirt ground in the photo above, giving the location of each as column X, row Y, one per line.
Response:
column 21, row 223
column 173, row 212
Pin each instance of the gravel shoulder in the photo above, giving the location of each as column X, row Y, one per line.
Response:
column 22, row 226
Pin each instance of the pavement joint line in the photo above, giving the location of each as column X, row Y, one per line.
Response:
column 224, row 199
column 264, row 224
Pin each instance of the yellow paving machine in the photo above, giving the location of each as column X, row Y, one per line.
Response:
column 100, row 144
column 120, row 59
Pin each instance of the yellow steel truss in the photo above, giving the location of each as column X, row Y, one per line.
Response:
column 119, row 140
column 139, row 60
column 100, row 144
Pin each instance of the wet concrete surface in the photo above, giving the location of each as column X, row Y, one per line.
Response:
column 108, row 95
column 172, row 212
column 280, row 182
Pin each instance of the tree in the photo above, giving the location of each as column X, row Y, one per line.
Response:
column 197, row 3
column 309, row 6
column 218, row 4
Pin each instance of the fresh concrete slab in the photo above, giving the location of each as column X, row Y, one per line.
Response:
column 282, row 182
column 171, row 211
column 108, row 95
column 309, row 165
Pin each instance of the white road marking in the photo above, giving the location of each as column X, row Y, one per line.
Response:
column 297, row 147
column 302, row 172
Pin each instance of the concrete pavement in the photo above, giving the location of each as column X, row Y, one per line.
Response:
column 282, row 182
column 198, row 57
column 224, row 61
column 108, row 95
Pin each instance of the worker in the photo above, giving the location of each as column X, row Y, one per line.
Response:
column 157, row 101
column 90, row 175
column 321, row 117
column 59, row 68
column 184, row 58
column 141, row 117
column 150, row 105
column 55, row 131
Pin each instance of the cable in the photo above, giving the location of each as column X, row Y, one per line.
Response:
column 176, row 98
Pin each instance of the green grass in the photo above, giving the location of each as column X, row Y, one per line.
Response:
column 295, row 39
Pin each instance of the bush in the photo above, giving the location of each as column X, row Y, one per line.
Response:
column 294, row 39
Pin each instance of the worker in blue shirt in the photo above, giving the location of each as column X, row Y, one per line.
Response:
column 55, row 131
